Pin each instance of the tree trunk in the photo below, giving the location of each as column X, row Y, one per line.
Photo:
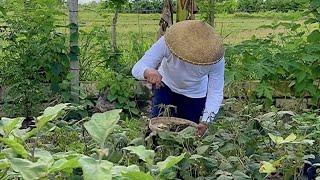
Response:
column 186, row 10
column 182, row 12
column 74, row 50
column 211, row 13
column 114, row 31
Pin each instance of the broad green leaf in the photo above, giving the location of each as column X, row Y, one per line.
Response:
column 137, row 141
column 102, row 124
column 65, row 155
column 279, row 140
column 118, row 170
column 7, row 125
column 4, row 163
column 238, row 175
column 202, row 149
column 94, row 170
column 275, row 139
column 15, row 146
column 169, row 162
column 28, row 169
column 143, row 153
column 224, row 177
column 44, row 157
column 55, row 109
column 196, row 156
column 267, row 167
column 314, row 36
column 137, row 176
column 65, row 164
column 225, row 165
column 49, row 114
column 290, row 138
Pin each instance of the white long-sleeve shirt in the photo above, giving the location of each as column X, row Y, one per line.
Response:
column 194, row 81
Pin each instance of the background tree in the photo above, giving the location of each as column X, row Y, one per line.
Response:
column 116, row 6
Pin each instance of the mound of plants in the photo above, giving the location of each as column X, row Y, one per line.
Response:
column 247, row 144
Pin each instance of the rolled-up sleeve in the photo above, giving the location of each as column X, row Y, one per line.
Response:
column 215, row 91
column 151, row 59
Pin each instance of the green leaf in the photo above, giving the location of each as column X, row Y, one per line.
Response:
column 3, row 10
column 314, row 36
column 65, row 164
column 15, row 146
column 4, row 163
column 118, row 170
column 111, row 97
column 144, row 154
column 224, row 177
column 170, row 162
column 301, row 76
column 55, row 110
column 102, row 124
column 43, row 156
column 267, row 167
column 137, row 176
column 275, row 139
column 7, row 125
column 279, row 140
column 94, row 170
column 290, row 138
column 28, row 169
column 238, row 175
column 202, row 149
column 49, row 114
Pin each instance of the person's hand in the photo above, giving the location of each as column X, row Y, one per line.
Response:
column 153, row 77
column 202, row 129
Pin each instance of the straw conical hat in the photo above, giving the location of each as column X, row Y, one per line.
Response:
column 195, row 42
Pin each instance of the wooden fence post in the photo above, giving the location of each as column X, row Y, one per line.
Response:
column 74, row 50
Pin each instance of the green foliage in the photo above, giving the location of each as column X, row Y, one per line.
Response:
column 237, row 149
column 94, row 169
column 285, row 5
column 122, row 90
column 250, row 5
column 95, row 52
column 278, row 59
column 145, row 6
column 143, row 154
column 169, row 162
column 33, row 53
column 227, row 6
column 101, row 125
column 115, row 4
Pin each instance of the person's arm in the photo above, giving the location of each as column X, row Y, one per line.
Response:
column 215, row 91
column 150, row 60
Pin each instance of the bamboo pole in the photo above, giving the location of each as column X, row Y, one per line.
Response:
column 74, row 50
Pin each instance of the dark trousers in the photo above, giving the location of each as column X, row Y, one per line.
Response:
column 186, row 107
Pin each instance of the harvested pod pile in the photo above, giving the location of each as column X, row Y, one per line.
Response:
column 171, row 124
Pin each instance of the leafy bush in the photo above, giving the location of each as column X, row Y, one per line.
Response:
column 228, row 6
column 33, row 53
column 146, row 6
column 250, row 5
column 279, row 58
column 121, row 90
column 247, row 144
column 286, row 5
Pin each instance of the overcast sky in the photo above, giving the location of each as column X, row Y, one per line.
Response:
column 86, row 1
